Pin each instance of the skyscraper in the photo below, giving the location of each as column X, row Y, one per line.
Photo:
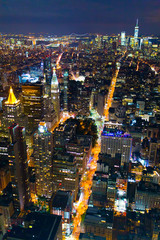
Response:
column 43, row 145
column 47, row 69
column 12, row 109
column 123, row 38
column 49, row 113
column 136, row 30
column 19, row 166
column 65, row 81
column 32, row 99
column 55, row 94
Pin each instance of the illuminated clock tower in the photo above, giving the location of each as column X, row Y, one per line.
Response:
column 55, row 94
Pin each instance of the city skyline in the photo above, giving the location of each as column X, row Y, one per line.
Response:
column 63, row 17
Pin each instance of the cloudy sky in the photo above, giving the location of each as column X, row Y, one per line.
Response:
column 65, row 17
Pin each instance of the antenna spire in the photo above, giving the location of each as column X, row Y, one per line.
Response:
column 137, row 22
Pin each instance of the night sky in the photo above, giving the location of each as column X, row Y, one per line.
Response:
column 65, row 17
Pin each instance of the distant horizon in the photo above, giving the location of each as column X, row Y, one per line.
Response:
column 63, row 17
column 75, row 33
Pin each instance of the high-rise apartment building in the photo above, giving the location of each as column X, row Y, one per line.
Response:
column 43, row 145
column 55, row 98
column 115, row 141
column 19, row 166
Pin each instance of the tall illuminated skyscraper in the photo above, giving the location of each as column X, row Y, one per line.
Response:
column 43, row 146
column 123, row 38
column 19, row 166
column 32, row 99
column 55, row 94
column 50, row 117
column 136, row 30
column 12, row 109
column 65, row 81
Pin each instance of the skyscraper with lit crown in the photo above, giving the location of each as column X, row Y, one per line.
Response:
column 13, row 112
column 136, row 30
column 55, row 94
column 12, row 109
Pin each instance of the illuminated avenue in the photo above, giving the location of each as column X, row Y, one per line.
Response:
column 86, row 181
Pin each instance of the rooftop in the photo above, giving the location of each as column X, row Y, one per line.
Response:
column 115, row 133
column 60, row 200
column 38, row 226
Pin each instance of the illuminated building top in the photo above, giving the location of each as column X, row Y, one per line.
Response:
column 115, row 133
column 42, row 127
column 54, row 78
column 136, row 32
column 11, row 98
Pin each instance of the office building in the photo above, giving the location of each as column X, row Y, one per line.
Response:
column 123, row 39
column 39, row 226
column 49, row 113
column 111, row 192
column 115, row 141
column 32, row 99
column 101, row 103
column 55, row 98
column 4, row 145
column 43, row 147
column 7, row 210
column 19, row 166
column 5, row 176
column 153, row 149
column 65, row 84
column 147, row 196
column 61, row 205
column 48, row 69
column 99, row 222
column 80, row 147
column 99, row 187
column 65, row 175
column 78, row 151
column 13, row 111
column 63, row 134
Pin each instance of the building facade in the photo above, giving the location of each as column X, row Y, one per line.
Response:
column 43, row 147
